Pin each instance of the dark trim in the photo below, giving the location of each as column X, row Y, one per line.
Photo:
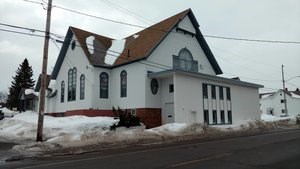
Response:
column 62, row 54
column 205, row 76
column 185, row 31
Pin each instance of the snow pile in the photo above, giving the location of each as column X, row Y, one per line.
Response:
column 7, row 112
column 271, row 118
column 31, row 91
column 23, row 126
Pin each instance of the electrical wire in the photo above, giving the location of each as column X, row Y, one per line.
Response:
column 149, row 28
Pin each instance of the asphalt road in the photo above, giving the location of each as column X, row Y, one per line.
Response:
column 269, row 151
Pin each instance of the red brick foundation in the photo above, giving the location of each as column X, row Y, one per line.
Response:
column 151, row 117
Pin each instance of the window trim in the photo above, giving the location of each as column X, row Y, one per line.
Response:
column 123, row 84
column 82, row 86
column 72, row 80
column 62, row 92
column 104, row 92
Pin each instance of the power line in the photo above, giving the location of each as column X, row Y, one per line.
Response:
column 23, row 33
column 145, row 62
column 149, row 28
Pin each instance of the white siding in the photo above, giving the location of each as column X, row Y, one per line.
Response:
column 274, row 102
column 74, row 58
column 173, row 43
column 244, row 101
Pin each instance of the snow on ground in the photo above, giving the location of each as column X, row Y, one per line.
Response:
column 23, row 127
column 75, row 132
column 7, row 112
column 267, row 117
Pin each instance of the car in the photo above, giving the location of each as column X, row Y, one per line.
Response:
column 1, row 115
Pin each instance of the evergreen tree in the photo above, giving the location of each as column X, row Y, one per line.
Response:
column 22, row 79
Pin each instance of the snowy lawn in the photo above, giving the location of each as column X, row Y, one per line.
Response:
column 23, row 127
column 76, row 134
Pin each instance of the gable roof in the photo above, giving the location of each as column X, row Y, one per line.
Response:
column 150, row 38
column 293, row 94
column 135, row 48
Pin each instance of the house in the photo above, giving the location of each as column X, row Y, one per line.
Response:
column 165, row 73
column 27, row 99
column 274, row 103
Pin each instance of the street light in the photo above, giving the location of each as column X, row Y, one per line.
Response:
column 283, row 85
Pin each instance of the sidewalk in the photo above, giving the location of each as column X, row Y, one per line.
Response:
column 6, row 152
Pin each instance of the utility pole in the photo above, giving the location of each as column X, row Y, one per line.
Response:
column 284, row 95
column 39, row 136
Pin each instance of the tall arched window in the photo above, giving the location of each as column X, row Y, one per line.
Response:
column 62, row 94
column 72, row 75
column 82, row 86
column 104, row 85
column 123, row 78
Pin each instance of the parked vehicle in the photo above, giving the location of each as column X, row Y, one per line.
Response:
column 1, row 115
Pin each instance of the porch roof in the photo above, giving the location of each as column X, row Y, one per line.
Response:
column 171, row 72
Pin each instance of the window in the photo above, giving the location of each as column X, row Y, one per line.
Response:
column 206, row 117
column 171, row 88
column 215, row 117
column 204, row 90
column 283, row 111
column 221, row 93
column 282, row 101
column 123, row 77
column 82, row 86
column 229, row 117
column 185, row 61
column 154, row 86
column 228, row 93
column 62, row 94
column 222, row 117
column 73, row 45
column 133, row 112
column 104, row 85
column 72, row 75
column 213, row 91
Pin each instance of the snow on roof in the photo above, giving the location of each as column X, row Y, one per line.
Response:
column 295, row 95
column 266, row 96
column 135, row 36
column 114, row 51
column 31, row 91
column 89, row 44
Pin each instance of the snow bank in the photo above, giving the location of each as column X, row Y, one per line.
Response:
column 23, row 126
column 7, row 112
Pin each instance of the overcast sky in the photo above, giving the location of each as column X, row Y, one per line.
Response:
column 253, row 19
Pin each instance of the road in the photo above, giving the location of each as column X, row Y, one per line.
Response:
column 268, row 151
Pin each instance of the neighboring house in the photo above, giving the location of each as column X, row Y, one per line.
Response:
column 165, row 73
column 28, row 99
column 273, row 103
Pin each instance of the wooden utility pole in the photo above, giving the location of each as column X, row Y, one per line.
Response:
column 39, row 136
column 284, row 95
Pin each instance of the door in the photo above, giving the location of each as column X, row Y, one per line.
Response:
column 169, row 112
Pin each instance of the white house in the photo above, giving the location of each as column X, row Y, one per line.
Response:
column 273, row 103
column 165, row 73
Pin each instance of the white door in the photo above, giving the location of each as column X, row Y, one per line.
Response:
column 169, row 108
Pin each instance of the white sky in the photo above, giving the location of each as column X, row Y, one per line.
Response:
column 254, row 19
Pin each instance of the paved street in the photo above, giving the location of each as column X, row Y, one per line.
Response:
column 269, row 151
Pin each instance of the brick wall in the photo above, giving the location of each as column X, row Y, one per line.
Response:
column 151, row 117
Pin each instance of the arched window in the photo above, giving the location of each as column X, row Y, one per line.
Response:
column 123, row 78
column 72, row 75
column 186, row 59
column 82, row 86
column 62, row 94
column 104, row 85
